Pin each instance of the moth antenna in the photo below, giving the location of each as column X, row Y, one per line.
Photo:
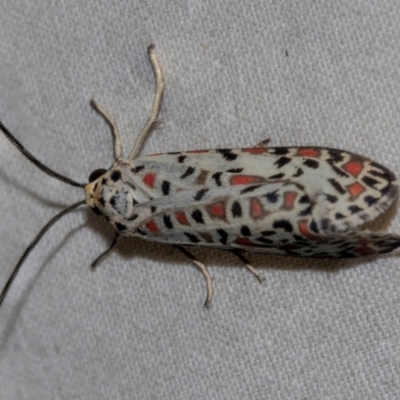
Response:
column 152, row 121
column 35, row 161
column 33, row 244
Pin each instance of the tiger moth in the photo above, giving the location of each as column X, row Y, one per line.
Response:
column 292, row 201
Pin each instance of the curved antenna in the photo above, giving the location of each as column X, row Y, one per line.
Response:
column 113, row 126
column 35, row 161
column 33, row 244
column 153, row 119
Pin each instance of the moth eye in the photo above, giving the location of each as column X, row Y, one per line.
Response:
column 96, row 174
column 96, row 210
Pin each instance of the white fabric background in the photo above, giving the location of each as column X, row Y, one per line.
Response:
column 301, row 73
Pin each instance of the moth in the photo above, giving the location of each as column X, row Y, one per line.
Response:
column 293, row 201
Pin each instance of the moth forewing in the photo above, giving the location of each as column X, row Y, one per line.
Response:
column 294, row 201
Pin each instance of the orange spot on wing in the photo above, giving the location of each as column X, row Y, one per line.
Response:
column 303, row 228
column 217, row 210
column 355, row 189
column 152, row 226
column 181, row 217
column 197, row 151
column 246, row 179
column 353, row 167
column 243, row 241
column 256, row 208
column 363, row 247
column 254, row 150
column 289, row 198
column 308, row 152
column 149, row 179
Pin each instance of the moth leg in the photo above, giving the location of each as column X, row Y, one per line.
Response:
column 103, row 255
column 264, row 143
column 114, row 129
column 247, row 264
column 153, row 119
column 203, row 269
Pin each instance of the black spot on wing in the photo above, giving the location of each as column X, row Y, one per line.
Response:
column 181, row 159
column 354, row 209
column 311, row 163
column 236, row 209
column 192, row 237
column 245, row 230
column 331, row 198
column 198, row 216
column 298, row 173
column 165, row 187
column 337, row 186
column 272, row 197
column 200, row 194
column 313, row 226
column 283, row 224
column 305, row 199
column 282, row 161
column 167, row 222
column 338, row 171
column 217, row 178
column 235, row 170
column 335, row 156
column 153, row 209
column 306, row 212
column 279, row 151
column 189, row 171
column 370, row 200
column 227, row 154
column 371, row 182
column 249, row 189
column 386, row 175
column 224, row 236
column 339, row 215
column 277, row 176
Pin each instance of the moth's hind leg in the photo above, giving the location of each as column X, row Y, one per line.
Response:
column 153, row 119
column 247, row 264
column 114, row 129
column 203, row 269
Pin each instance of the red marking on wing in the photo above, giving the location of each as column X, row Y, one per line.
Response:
column 288, row 201
column 197, row 151
column 353, row 167
column 149, row 179
column 243, row 241
column 152, row 226
column 303, row 228
column 256, row 208
column 181, row 217
column 246, row 179
column 355, row 189
column 363, row 247
column 308, row 152
column 255, row 150
column 217, row 210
